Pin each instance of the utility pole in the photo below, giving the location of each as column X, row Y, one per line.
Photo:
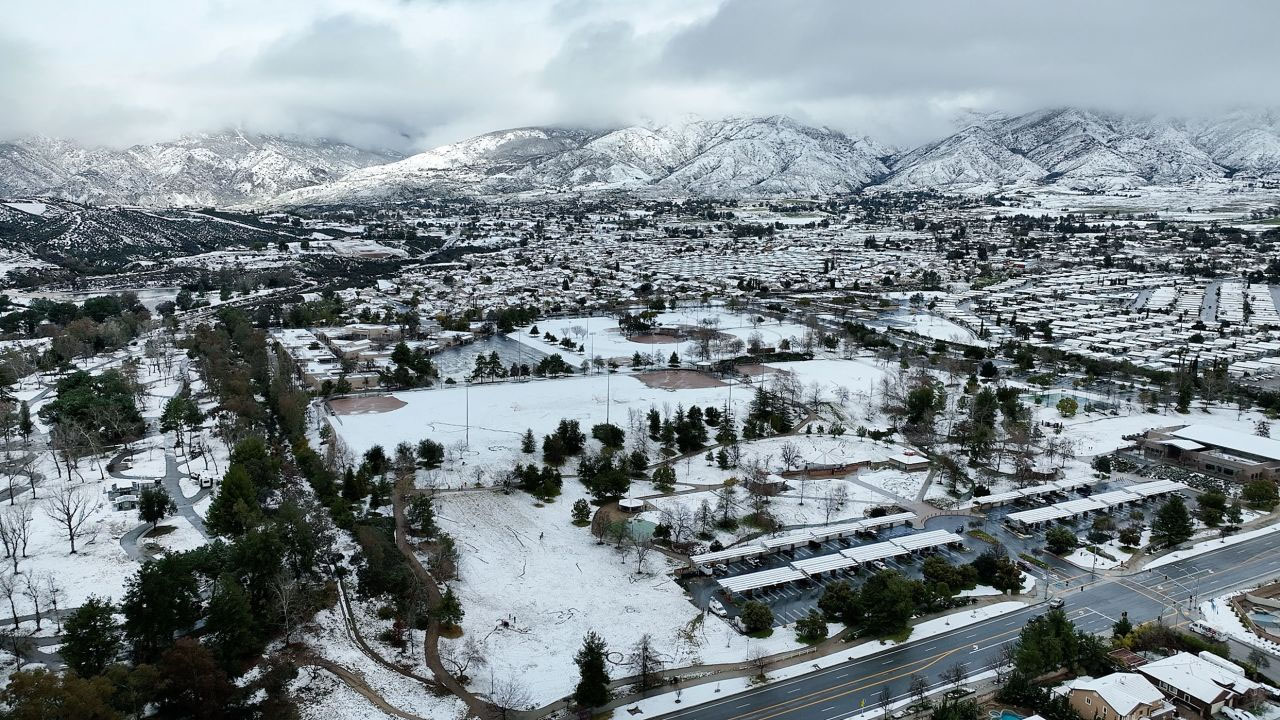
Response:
column 467, row 393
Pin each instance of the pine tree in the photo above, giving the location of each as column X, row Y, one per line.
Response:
column 528, row 444
column 593, row 685
column 581, row 512
column 1172, row 524
column 90, row 637
column 236, row 506
column 449, row 611
column 230, row 623
column 25, row 426
column 155, row 504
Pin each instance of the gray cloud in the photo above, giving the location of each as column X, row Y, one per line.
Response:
column 412, row 74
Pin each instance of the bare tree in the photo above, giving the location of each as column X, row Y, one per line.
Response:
column 641, row 548
column 758, row 658
column 284, row 588
column 71, row 508
column 791, row 455
column 54, row 594
column 507, row 696
column 646, row 662
column 9, row 587
column 15, row 532
column 955, row 673
column 833, row 500
column 680, row 519
column 883, row 696
column 33, row 589
column 462, row 656
column 918, row 687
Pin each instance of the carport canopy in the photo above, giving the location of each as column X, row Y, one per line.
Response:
column 825, row 563
column 726, row 555
column 762, row 579
column 921, row 541
column 873, row 552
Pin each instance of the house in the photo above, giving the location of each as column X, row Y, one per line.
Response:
column 1118, row 696
column 1203, row 684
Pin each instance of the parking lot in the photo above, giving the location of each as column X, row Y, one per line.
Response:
column 793, row 600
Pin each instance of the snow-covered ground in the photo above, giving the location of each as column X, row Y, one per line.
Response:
column 1219, row 614
column 552, row 583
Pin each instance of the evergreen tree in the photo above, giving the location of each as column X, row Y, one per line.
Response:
column 235, row 509
column 528, row 444
column 581, row 512
column 25, row 425
column 449, row 611
column 230, row 623
column 154, row 504
column 593, row 684
column 90, row 637
column 1172, row 523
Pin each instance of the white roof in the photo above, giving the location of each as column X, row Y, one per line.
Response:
column 1231, row 440
column 1201, row 679
column 1124, row 692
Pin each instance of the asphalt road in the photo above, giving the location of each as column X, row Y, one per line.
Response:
column 852, row 687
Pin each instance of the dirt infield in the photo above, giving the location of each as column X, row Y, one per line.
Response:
column 657, row 339
column 678, row 379
column 365, row 405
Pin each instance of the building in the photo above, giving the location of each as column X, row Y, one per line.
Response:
column 1119, row 696
column 1214, row 451
column 1204, row 683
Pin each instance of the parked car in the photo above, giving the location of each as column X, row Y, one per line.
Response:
column 722, row 568
column 879, row 565
column 717, row 607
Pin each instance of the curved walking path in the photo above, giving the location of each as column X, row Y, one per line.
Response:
column 353, row 681
column 476, row 706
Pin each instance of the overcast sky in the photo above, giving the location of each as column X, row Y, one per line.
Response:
column 410, row 74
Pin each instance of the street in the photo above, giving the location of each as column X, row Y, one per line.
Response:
column 848, row 688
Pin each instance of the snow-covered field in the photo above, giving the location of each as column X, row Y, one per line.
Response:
column 601, row 336
column 500, row 413
column 552, row 583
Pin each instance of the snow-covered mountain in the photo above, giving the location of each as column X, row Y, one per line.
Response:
column 1084, row 149
column 763, row 156
column 736, row 156
column 209, row 169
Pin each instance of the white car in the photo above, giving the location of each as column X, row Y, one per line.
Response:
column 717, row 607
column 879, row 565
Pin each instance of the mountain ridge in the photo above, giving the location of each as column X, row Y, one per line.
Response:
column 735, row 156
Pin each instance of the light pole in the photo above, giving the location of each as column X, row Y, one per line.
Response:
column 466, row 391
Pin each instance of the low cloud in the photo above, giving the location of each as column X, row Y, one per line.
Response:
column 409, row 75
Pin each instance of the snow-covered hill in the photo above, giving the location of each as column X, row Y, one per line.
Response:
column 211, row 169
